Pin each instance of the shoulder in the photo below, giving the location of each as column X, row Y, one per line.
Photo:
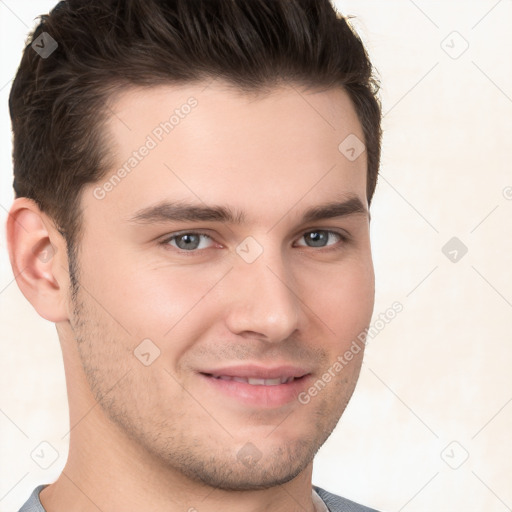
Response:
column 334, row 502
column 33, row 504
column 339, row 504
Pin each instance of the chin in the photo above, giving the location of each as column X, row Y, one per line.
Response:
column 248, row 479
column 250, row 469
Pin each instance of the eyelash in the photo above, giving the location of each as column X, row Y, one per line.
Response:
column 344, row 238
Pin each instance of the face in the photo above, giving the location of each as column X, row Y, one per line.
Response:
column 222, row 274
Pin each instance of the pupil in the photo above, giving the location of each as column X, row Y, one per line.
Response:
column 188, row 241
column 317, row 238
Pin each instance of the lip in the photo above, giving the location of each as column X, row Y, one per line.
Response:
column 260, row 395
column 258, row 371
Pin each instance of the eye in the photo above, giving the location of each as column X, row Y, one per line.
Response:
column 190, row 241
column 321, row 238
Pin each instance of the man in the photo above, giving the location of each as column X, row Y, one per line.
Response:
column 193, row 181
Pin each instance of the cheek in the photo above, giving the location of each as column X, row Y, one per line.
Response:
column 145, row 300
column 344, row 299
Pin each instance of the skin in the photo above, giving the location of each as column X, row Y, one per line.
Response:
column 162, row 435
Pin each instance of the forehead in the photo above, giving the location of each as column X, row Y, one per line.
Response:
column 215, row 144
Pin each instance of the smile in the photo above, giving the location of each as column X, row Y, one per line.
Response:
column 255, row 386
column 255, row 381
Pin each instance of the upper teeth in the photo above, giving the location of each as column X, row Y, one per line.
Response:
column 257, row 382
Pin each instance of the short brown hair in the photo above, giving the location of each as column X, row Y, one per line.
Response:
column 58, row 104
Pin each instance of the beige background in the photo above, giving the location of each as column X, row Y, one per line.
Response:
column 436, row 386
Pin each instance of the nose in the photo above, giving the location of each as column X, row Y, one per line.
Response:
column 262, row 301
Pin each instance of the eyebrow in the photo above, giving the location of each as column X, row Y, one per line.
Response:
column 180, row 211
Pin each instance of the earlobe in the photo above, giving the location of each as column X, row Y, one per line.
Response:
column 35, row 251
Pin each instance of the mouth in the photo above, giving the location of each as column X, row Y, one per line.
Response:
column 256, row 381
column 257, row 386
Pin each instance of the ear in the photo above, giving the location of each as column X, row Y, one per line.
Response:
column 38, row 256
